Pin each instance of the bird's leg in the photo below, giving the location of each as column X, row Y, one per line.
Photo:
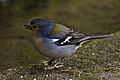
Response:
column 51, row 61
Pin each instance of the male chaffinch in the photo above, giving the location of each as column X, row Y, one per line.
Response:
column 56, row 40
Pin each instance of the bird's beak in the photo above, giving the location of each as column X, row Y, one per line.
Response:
column 28, row 27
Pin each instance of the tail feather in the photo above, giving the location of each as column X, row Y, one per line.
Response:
column 90, row 38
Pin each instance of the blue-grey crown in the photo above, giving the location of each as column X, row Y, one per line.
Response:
column 46, row 26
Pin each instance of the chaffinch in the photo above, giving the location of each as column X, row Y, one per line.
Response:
column 56, row 40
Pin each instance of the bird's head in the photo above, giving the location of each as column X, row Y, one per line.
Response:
column 41, row 27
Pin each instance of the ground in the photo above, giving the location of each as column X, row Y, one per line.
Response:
column 97, row 60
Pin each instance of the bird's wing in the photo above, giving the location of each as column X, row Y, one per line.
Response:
column 65, row 36
column 70, row 38
column 76, row 38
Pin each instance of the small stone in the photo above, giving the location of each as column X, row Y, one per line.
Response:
column 93, row 53
column 21, row 76
column 35, row 79
column 47, row 75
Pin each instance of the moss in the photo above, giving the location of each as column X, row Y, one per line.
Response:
column 90, row 63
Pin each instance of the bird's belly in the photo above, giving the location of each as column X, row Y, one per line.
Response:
column 49, row 49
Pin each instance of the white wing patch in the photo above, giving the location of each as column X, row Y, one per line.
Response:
column 54, row 40
column 67, row 39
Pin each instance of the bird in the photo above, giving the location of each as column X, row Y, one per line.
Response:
column 56, row 41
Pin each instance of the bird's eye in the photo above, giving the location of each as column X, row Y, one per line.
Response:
column 34, row 26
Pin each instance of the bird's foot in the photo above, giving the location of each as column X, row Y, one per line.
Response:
column 56, row 66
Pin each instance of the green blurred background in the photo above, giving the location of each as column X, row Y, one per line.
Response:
column 88, row 16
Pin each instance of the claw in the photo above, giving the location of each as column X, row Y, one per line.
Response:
column 56, row 66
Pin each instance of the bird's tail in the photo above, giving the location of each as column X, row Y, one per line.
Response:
column 90, row 38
